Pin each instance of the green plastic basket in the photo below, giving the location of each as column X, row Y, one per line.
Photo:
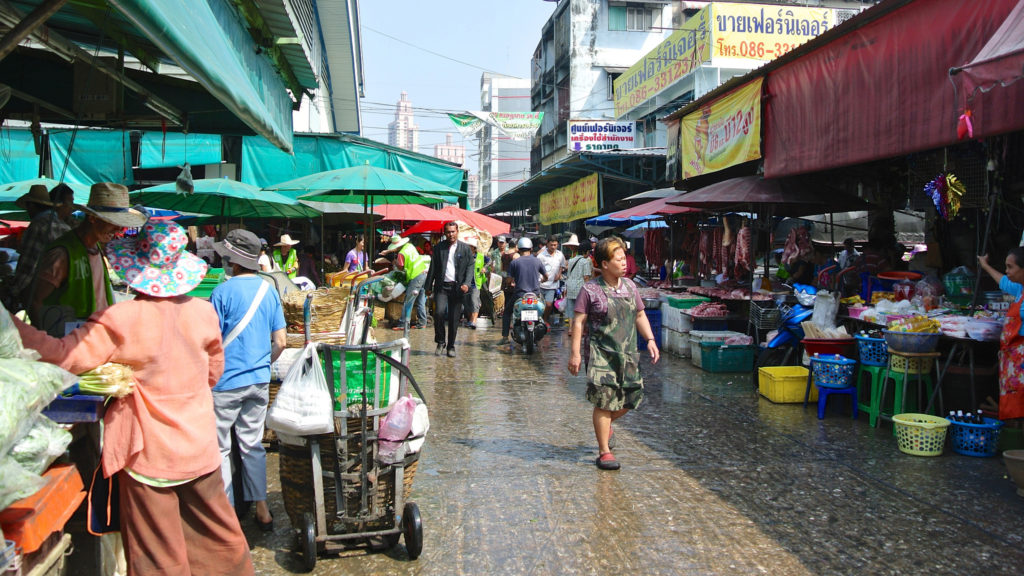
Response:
column 687, row 302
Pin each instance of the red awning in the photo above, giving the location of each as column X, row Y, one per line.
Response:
column 407, row 212
column 492, row 226
column 1000, row 61
column 882, row 90
column 756, row 194
column 659, row 207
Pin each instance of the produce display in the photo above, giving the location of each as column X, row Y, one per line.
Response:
column 918, row 324
column 737, row 294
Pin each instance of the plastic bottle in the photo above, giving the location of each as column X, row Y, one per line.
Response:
column 952, row 416
column 960, row 416
column 980, row 417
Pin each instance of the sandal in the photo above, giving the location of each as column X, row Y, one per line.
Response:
column 607, row 461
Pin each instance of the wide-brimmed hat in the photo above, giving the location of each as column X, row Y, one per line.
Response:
column 109, row 202
column 240, row 247
column 573, row 241
column 396, row 243
column 155, row 261
column 37, row 194
column 286, row 240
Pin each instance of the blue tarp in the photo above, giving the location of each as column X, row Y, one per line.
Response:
column 263, row 165
column 607, row 220
column 97, row 156
column 166, row 150
column 18, row 158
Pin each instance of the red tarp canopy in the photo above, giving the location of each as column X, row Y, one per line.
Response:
column 1000, row 61
column 659, row 207
column 492, row 226
column 883, row 90
column 407, row 212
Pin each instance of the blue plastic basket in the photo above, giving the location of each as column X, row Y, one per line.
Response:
column 833, row 371
column 976, row 439
column 873, row 351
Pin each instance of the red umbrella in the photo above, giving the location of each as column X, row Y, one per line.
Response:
column 659, row 207
column 408, row 212
column 492, row 226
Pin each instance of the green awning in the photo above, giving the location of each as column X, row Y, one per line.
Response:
column 208, row 40
column 18, row 158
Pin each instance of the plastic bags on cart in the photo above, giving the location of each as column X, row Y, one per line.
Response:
column 394, row 428
column 303, row 405
column 420, row 426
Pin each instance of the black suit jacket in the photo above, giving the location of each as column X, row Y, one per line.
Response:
column 464, row 260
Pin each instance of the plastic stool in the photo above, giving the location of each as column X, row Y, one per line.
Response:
column 912, row 364
column 873, row 404
column 824, row 392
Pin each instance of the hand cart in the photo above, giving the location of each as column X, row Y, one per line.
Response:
column 356, row 498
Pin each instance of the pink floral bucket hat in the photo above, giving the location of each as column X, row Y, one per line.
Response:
column 155, row 261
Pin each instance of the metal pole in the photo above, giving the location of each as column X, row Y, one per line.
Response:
column 984, row 248
column 28, row 24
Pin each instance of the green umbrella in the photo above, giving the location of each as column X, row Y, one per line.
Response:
column 11, row 191
column 225, row 198
column 368, row 185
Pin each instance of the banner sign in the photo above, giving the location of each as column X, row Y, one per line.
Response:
column 672, row 150
column 515, row 125
column 723, row 133
column 760, row 32
column 573, row 202
column 585, row 135
column 683, row 51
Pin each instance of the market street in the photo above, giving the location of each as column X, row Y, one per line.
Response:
column 714, row 480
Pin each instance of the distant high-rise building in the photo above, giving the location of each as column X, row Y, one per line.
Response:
column 473, row 191
column 403, row 133
column 455, row 153
column 504, row 163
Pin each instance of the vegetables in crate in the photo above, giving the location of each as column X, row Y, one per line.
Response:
column 110, row 379
column 25, row 389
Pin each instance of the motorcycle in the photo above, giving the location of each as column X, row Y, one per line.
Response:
column 784, row 348
column 528, row 327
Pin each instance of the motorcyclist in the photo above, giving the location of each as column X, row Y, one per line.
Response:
column 526, row 273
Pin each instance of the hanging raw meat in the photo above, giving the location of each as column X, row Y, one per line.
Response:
column 744, row 262
column 798, row 246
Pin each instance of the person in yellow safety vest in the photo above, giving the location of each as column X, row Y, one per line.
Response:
column 285, row 259
column 480, row 275
column 415, row 266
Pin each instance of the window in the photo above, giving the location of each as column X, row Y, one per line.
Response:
column 616, row 17
column 640, row 19
column 612, row 76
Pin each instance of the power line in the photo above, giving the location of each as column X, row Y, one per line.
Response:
column 428, row 51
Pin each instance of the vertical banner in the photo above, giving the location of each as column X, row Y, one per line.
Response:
column 723, row 133
column 573, row 202
column 672, row 150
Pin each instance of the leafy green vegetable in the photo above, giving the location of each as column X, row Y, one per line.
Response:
column 45, row 441
column 26, row 388
column 16, row 482
column 10, row 340
column 110, row 379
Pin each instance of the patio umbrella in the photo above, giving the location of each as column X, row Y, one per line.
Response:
column 492, row 226
column 637, row 230
column 225, row 198
column 407, row 213
column 643, row 197
column 756, row 194
column 367, row 185
column 13, row 190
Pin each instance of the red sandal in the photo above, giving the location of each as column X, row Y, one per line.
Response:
column 607, row 461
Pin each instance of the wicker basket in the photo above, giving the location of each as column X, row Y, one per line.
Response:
column 327, row 310
column 392, row 310
column 293, row 340
column 297, row 481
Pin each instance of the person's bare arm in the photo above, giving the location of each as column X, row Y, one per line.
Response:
column 278, row 341
column 575, row 359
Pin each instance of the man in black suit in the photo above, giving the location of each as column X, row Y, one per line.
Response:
column 450, row 277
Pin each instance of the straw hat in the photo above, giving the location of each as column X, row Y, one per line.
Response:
column 573, row 241
column 396, row 243
column 109, row 202
column 286, row 240
column 37, row 194
column 155, row 261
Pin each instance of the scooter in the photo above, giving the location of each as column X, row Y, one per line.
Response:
column 784, row 348
column 528, row 326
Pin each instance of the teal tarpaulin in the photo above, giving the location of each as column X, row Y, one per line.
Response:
column 18, row 158
column 167, row 150
column 97, row 156
column 263, row 165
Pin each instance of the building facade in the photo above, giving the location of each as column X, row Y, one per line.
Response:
column 403, row 132
column 449, row 151
column 504, row 162
column 584, row 46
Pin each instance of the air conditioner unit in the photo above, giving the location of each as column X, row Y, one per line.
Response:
column 96, row 96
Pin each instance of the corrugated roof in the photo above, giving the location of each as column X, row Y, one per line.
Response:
column 278, row 16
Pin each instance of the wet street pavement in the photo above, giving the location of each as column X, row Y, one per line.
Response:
column 714, row 480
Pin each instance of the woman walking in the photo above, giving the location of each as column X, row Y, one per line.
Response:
column 608, row 315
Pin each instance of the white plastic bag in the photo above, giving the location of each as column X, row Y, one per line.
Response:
column 420, row 426
column 825, row 308
column 303, row 405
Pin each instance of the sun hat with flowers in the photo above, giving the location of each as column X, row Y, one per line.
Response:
column 155, row 261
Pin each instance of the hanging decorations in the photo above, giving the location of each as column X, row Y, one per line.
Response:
column 946, row 191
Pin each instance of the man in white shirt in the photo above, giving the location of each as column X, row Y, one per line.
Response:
column 848, row 257
column 554, row 265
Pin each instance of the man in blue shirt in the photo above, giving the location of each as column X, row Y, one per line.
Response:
column 526, row 272
column 253, row 330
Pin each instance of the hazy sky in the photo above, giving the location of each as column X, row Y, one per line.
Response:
column 464, row 36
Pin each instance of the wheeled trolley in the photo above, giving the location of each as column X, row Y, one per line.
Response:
column 337, row 488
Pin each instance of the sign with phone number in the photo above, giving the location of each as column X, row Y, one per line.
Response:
column 760, row 32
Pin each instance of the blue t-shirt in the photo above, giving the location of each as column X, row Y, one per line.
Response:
column 1015, row 290
column 247, row 358
column 525, row 271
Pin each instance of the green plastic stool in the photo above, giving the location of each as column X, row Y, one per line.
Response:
column 902, row 369
column 873, row 404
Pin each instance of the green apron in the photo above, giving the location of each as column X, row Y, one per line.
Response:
column 613, row 364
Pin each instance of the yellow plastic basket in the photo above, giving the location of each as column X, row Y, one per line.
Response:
column 920, row 434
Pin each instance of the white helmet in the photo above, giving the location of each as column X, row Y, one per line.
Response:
column 525, row 244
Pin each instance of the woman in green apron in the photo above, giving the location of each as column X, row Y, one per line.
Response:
column 608, row 315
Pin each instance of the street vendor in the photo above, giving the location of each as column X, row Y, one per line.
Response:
column 72, row 281
column 49, row 212
column 414, row 265
column 285, row 259
column 161, row 439
column 1011, row 343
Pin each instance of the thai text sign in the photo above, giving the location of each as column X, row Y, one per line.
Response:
column 587, row 135
column 568, row 203
column 517, row 125
column 723, row 133
column 760, row 32
column 683, row 51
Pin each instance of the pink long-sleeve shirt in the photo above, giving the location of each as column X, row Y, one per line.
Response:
column 166, row 428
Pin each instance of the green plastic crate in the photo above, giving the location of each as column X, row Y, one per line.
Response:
column 716, row 357
column 687, row 302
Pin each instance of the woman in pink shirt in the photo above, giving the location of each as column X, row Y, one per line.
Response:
column 161, row 440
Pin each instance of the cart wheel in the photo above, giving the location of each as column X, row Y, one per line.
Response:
column 307, row 535
column 412, row 527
